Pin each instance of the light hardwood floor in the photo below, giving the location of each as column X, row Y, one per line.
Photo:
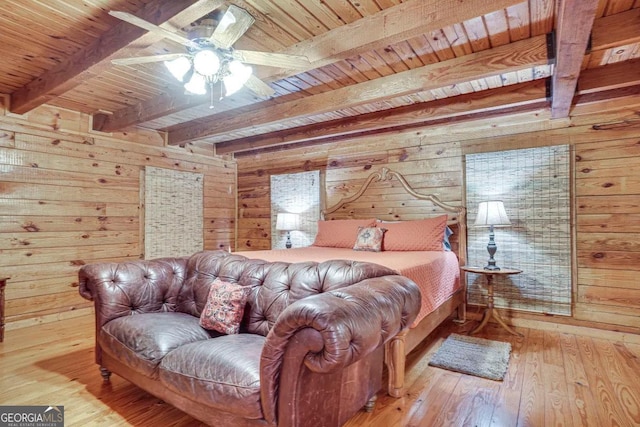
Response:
column 554, row 379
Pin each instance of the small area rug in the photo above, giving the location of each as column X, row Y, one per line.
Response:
column 474, row 356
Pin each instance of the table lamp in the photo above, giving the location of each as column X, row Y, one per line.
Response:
column 288, row 222
column 492, row 214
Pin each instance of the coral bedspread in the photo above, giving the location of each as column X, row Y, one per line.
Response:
column 436, row 273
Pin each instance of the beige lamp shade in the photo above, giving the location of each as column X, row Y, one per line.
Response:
column 287, row 221
column 492, row 213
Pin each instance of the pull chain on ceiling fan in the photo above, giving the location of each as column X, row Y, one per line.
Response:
column 209, row 56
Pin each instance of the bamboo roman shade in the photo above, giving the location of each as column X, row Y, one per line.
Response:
column 173, row 203
column 534, row 186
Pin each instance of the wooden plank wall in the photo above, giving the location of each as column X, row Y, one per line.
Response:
column 606, row 194
column 69, row 198
column 346, row 165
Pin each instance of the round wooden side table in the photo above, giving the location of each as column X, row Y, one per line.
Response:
column 490, row 311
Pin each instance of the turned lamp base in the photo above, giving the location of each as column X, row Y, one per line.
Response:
column 491, row 248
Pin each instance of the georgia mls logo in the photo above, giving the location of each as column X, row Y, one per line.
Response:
column 56, row 411
column 31, row 416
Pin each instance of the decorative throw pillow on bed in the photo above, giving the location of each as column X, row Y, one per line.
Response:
column 340, row 233
column 446, row 244
column 369, row 239
column 225, row 307
column 448, row 232
column 420, row 235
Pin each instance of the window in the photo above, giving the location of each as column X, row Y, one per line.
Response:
column 534, row 185
column 173, row 203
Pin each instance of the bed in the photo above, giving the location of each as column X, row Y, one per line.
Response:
column 435, row 270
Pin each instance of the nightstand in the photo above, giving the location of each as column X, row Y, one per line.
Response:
column 490, row 311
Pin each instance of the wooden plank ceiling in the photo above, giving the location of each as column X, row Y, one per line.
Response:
column 375, row 65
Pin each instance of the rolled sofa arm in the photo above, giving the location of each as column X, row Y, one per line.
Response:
column 122, row 289
column 347, row 324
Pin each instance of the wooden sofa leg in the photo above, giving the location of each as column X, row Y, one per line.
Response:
column 371, row 403
column 395, row 358
column 106, row 374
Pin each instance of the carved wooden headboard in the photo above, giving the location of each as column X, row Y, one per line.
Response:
column 457, row 214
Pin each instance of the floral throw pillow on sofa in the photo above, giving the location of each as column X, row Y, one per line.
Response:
column 225, row 307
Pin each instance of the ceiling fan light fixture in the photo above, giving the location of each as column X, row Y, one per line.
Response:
column 237, row 77
column 178, row 67
column 197, row 85
column 209, row 53
column 206, row 62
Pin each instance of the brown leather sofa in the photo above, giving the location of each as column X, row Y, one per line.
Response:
column 309, row 352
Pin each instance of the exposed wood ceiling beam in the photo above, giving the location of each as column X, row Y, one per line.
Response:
column 616, row 30
column 516, row 56
column 526, row 113
column 595, row 102
column 574, row 22
column 504, row 97
column 80, row 67
column 586, row 104
column 614, row 76
column 406, row 20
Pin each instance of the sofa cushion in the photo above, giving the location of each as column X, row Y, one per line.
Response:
column 225, row 306
column 222, row 373
column 141, row 341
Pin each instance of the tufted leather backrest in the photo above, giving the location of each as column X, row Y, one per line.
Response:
column 181, row 284
column 275, row 285
column 202, row 269
column 286, row 283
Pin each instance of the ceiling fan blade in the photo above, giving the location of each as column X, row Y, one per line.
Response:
column 146, row 59
column 279, row 60
column 234, row 23
column 134, row 20
column 259, row 87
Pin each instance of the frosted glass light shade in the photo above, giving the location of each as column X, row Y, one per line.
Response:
column 492, row 213
column 178, row 67
column 206, row 62
column 239, row 74
column 197, row 85
column 288, row 221
column 208, row 68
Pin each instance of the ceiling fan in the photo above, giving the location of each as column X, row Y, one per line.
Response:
column 210, row 57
